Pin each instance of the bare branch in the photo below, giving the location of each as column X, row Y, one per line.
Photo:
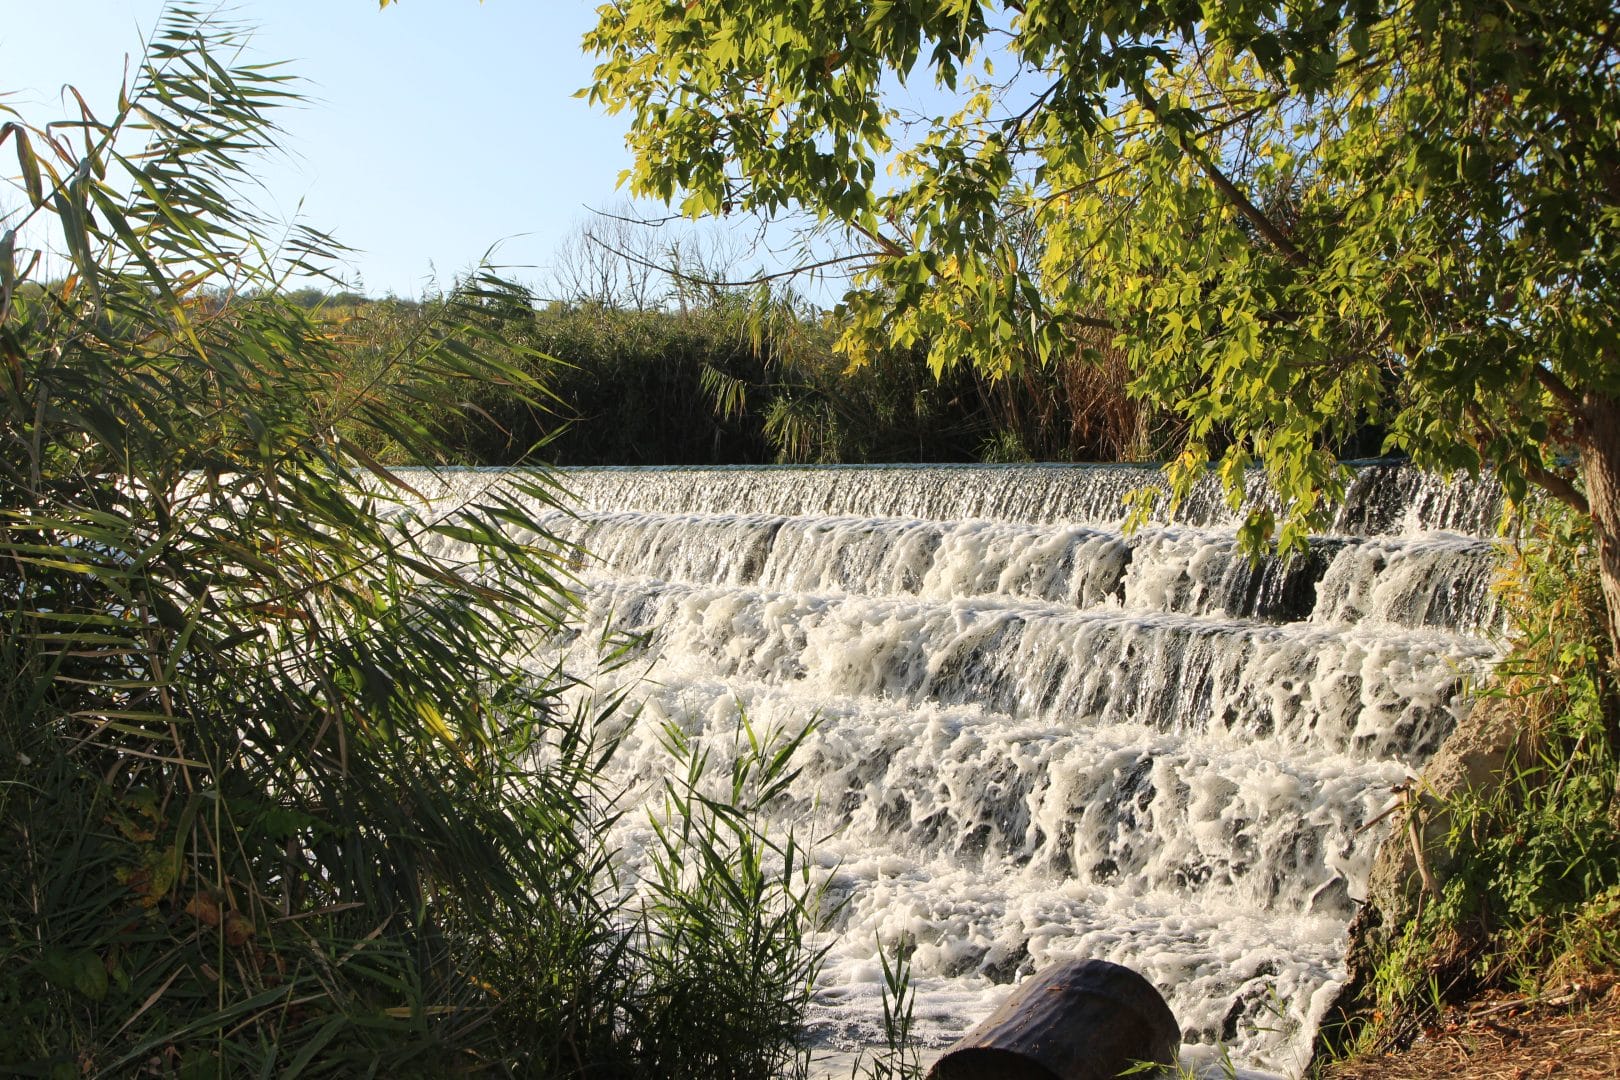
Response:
column 651, row 223
column 728, row 283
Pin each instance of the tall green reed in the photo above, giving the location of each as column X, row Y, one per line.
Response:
column 281, row 791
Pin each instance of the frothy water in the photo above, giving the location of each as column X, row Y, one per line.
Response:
column 1039, row 738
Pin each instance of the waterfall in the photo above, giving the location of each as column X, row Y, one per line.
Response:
column 1041, row 738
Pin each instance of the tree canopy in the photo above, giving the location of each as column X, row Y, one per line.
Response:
column 1300, row 220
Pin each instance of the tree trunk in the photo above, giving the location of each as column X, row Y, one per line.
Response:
column 1599, row 436
column 1599, row 433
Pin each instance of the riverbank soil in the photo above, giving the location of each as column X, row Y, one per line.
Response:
column 1573, row 1034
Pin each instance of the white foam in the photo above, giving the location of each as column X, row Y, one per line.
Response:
column 1039, row 738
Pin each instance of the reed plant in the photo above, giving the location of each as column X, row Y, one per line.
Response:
column 283, row 791
column 733, row 376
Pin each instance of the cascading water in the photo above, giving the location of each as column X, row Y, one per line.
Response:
column 1039, row 738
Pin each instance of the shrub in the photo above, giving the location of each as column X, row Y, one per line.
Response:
column 1530, row 899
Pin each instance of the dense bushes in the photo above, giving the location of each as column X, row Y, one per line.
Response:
column 737, row 378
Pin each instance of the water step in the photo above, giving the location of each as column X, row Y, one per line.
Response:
column 1260, row 825
column 1378, row 692
column 1432, row 579
column 1041, row 739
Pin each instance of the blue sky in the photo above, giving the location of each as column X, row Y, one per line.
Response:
column 434, row 129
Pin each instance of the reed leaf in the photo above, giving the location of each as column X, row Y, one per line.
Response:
column 284, row 789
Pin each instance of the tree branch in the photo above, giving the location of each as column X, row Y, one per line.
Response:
column 1554, row 484
column 1092, row 322
column 651, row 223
column 727, row 283
column 890, row 247
column 1560, row 391
column 1252, row 213
column 1560, row 486
column 1255, row 216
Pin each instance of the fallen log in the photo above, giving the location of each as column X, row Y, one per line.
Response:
column 1082, row 1020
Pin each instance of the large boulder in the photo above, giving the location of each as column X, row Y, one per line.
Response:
column 1415, row 860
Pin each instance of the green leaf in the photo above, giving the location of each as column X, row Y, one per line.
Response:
column 79, row 970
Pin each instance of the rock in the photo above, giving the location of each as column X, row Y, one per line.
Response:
column 1475, row 757
column 1479, row 756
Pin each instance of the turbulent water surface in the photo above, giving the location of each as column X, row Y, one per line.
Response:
column 1040, row 738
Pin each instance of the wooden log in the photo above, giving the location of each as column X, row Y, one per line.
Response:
column 1082, row 1020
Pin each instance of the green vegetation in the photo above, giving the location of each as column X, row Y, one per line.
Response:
column 1298, row 221
column 898, row 1058
column 1530, row 898
column 279, row 793
column 1302, row 226
column 726, row 377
